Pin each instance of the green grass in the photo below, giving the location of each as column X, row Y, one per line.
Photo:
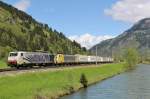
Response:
column 3, row 64
column 146, row 62
column 52, row 83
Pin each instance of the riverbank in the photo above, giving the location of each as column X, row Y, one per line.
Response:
column 146, row 62
column 53, row 84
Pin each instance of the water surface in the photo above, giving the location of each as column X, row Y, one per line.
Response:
column 130, row 85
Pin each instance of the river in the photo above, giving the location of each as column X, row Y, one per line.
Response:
column 129, row 85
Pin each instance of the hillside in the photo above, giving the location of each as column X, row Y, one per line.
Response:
column 19, row 31
column 137, row 37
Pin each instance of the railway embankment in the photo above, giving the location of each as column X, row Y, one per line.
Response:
column 54, row 84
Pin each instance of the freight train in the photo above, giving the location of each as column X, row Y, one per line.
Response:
column 30, row 59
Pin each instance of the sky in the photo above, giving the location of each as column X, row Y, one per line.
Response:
column 86, row 21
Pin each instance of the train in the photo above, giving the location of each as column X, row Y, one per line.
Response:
column 30, row 59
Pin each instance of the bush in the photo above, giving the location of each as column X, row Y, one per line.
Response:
column 83, row 80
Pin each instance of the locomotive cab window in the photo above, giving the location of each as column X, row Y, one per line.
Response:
column 13, row 54
column 21, row 54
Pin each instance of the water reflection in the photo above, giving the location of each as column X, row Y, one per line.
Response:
column 129, row 85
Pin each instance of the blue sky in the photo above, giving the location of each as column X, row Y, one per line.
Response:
column 86, row 21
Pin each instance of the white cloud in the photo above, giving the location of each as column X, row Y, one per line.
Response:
column 22, row 5
column 87, row 40
column 129, row 10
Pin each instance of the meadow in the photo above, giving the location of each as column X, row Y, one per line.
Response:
column 53, row 84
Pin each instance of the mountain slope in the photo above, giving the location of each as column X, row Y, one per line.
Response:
column 19, row 31
column 137, row 36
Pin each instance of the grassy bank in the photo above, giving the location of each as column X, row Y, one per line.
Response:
column 146, row 62
column 3, row 64
column 45, row 85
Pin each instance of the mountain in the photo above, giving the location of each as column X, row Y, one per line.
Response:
column 19, row 31
column 138, row 36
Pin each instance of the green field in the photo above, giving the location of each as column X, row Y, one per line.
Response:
column 50, row 84
column 3, row 64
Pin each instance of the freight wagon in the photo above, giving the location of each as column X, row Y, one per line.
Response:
column 70, row 59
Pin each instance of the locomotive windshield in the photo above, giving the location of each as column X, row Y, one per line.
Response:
column 13, row 54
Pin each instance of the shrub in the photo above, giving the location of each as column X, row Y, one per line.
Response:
column 83, row 80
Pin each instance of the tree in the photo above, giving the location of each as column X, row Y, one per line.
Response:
column 46, row 26
column 84, row 49
column 62, row 35
column 131, row 58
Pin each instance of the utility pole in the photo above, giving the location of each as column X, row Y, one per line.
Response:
column 96, row 54
column 70, row 48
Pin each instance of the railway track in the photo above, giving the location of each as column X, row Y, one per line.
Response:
column 22, row 69
column 7, row 69
column 38, row 68
column 42, row 68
